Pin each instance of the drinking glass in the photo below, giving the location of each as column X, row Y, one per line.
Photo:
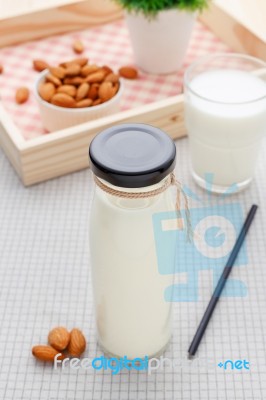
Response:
column 225, row 116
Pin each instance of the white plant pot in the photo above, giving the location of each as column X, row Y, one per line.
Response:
column 160, row 43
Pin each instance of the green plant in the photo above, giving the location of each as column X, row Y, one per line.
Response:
column 152, row 7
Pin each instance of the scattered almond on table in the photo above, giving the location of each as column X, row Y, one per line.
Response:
column 78, row 47
column 63, row 342
column 77, row 343
column 59, row 338
column 45, row 353
column 128, row 72
column 39, row 65
column 22, row 95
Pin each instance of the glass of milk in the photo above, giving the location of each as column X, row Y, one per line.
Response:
column 225, row 116
column 133, row 318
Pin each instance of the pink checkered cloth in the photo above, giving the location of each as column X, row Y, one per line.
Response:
column 107, row 44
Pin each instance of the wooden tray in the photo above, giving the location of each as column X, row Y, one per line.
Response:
column 239, row 23
column 65, row 151
column 23, row 20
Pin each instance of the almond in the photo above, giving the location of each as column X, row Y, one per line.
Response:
column 46, row 91
column 59, row 338
column 106, row 91
column 84, row 103
column 80, row 61
column 78, row 47
column 22, row 95
column 75, row 83
column 77, row 80
column 82, row 91
column 77, row 343
column 128, row 72
column 107, row 69
column 45, row 353
column 63, row 100
column 116, row 88
column 67, row 89
column 58, row 72
column 51, row 78
column 97, row 102
column 114, row 78
column 40, row 65
column 96, row 77
column 1, row 69
column 93, row 91
column 72, row 70
column 89, row 69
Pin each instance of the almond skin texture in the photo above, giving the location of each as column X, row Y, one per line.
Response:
column 115, row 88
column 96, row 77
column 112, row 78
column 77, row 80
column 73, row 70
column 77, row 344
column 128, row 72
column 58, row 72
column 107, row 70
column 106, row 91
column 88, row 69
column 97, row 102
column 63, row 100
column 78, row 47
column 51, row 78
column 40, row 65
column 59, row 338
column 45, row 353
column 22, row 95
column 67, row 89
column 84, row 103
column 46, row 91
column 82, row 91
column 80, row 61
column 93, row 91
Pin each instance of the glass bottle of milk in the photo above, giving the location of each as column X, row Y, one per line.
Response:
column 128, row 162
column 225, row 113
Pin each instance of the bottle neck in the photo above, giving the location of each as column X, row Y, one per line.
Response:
column 143, row 192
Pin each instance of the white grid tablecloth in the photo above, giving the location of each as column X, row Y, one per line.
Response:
column 45, row 282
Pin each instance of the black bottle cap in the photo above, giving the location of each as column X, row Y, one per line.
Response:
column 132, row 155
